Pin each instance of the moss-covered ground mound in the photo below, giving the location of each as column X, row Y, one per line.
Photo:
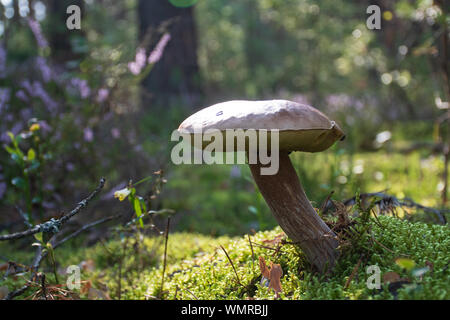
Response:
column 197, row 266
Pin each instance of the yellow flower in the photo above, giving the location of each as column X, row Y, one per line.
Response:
column 387, row 15
column 122, row 194
column 35, row 127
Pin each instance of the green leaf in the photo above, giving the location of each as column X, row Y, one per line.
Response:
column 11, row 135
column 143, row 180
column 143, row 204
column 18, row 182
column 138, row 210
column 31, row 155
column 405, row 263
column 38, row 236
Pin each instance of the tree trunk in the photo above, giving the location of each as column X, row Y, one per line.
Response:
column 59, row 36
column 176, row 75
column 293, row 211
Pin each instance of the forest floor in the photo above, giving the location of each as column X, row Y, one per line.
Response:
column 408, row 261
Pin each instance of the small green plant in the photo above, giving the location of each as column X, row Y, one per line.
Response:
column 28, row 160
column 42, row 239
column 140, row 203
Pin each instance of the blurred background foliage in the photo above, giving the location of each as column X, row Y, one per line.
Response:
column 106, row 98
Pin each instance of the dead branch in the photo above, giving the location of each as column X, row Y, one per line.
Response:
column 387, row 202
column 84, row 228
column 41, row 254
column 53, row 225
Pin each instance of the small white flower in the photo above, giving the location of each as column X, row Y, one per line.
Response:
column 122, row 194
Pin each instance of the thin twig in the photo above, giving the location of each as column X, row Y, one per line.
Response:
column 54, row 223
column 352, row 275
column 324, row 204
column 44, row 288
column 22, row 214
column 39, row 256
column 165, row 256
column 84, row 228
column 84, row 202
column 395, row 202
column 191, row 293
column 148, row 213
column 253, row 254
column 232, row 264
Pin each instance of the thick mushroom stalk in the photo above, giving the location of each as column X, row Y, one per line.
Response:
column 287, row 200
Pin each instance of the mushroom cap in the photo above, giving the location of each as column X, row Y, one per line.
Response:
column 301, row 127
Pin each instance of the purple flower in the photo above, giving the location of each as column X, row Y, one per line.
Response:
column 22, row 95
column 88, row 135
column 26, row 113
column 43, row 67
column 115, row 133
column 15, row 130
column 38, row 35
column 138, row 64
column 36, row 89
column 5, row 95
column 26, row 84
column 9, row 117
column 157, row 53
column 84, row 89
column 45, row 127
column 102, row 95
column 82, row 86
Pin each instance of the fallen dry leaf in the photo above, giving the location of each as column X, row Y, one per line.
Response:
column 275, row 241
column 263, row 267
column 86, row 285
column 271, row 275
column 390, row 277
column 275, row 275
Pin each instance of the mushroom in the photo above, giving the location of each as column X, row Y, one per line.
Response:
column 300, row 128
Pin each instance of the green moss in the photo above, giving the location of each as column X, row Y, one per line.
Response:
column 198, row 268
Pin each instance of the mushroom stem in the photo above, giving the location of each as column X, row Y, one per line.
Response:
column 287, row 200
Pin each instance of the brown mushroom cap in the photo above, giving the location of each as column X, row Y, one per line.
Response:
column 301, row 127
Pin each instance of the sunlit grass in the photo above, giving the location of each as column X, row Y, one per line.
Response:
column 222, row 199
